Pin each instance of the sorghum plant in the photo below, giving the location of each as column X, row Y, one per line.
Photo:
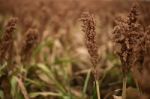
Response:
column 128, row 38
column 132, row 43
column 6, row 55
column 7, row 41
column 90, row 42
column 30, row 42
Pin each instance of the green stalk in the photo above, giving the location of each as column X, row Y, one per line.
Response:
column 86, row 83
column 97, row 89
column 124, row 88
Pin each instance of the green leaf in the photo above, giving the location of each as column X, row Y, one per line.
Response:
column 1, row 94
column 13, row 86
column 2, row 67
column 86, row 81
column 49, row 74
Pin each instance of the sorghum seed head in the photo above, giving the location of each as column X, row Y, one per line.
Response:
column 30, row 42
column 90, row 34
column 7, row 41
column 129, row 39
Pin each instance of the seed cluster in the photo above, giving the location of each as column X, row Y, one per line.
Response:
column 132, row 42
column 7, row 41
column 31, row 39
column 129, row 38
column 90, row 34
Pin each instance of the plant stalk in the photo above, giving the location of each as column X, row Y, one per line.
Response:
column 98, row 89
column 124, row 88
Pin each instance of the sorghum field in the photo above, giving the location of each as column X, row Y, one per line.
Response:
column 74, row 49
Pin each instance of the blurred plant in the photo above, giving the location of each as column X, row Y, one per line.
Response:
column 30, row 42
column 141, row 70
column 6, row 55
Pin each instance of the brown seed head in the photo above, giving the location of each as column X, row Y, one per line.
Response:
column 90, row 33
column 30, row 42
column 128, row 36
column 7, row 41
